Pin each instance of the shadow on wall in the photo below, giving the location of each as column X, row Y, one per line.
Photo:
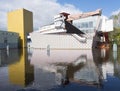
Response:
column 20, row 43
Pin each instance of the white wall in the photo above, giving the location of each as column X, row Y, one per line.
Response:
column 58, row 41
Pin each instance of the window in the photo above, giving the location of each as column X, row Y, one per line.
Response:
column 90, row 24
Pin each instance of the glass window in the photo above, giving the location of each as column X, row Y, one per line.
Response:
column 90, row 24
column 86, row 25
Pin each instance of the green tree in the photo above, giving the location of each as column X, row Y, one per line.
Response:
column 114, row 36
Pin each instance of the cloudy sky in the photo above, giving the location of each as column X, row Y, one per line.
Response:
column 44, row 10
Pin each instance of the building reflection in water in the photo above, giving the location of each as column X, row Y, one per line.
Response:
column 80, row 66
column 88, row 67
column 9, row 57
column 21, row 73
column 36, row 69
column 51, row 69
column 19, row 70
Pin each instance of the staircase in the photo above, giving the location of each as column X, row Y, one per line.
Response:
column 79, row 38
column 76, row 33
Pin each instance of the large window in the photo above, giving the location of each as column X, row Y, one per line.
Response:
column 86, row 27
column 84, row 24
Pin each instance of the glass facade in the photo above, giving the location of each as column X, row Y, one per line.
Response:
column 87, row 25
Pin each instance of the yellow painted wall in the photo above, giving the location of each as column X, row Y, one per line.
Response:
column 21, row 21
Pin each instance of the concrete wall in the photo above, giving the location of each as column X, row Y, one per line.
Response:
column 8, row 38
column 56, row 41
column 21, row 22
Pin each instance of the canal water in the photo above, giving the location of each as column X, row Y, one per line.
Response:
column 59, row 70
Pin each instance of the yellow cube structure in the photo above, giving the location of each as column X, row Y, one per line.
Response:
column 21, row 22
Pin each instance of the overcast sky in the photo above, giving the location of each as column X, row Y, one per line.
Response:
column 44, row 10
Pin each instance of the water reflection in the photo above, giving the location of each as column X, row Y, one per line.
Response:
column 16, row 71
column 9, row 57
column 115, row 55
column 85, row 67
column 116, row 58
column 63, row 66
column 21, row 73
column 60, row 69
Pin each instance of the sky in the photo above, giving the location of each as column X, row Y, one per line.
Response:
column 44, row 10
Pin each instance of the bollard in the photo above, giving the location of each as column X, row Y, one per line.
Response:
column 114, row 47
column 48, row 50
